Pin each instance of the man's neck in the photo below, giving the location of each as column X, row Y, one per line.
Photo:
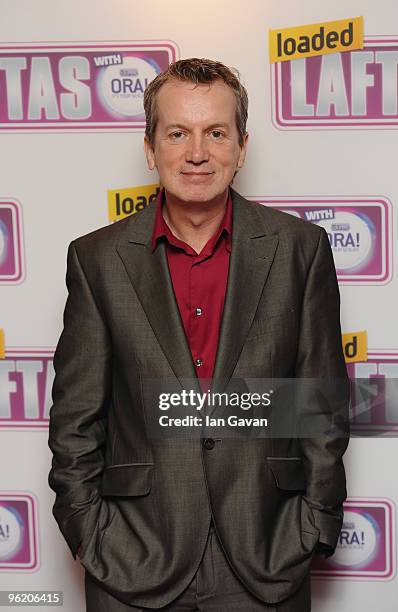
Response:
column 194, row 222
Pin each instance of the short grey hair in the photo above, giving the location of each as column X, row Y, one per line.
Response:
column 198, row 71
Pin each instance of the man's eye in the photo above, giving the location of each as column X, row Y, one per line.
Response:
column 176, row 135
column 216, row 134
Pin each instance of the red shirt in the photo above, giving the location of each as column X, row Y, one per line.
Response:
column 199, row 283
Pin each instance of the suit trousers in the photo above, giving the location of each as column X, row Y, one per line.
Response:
column 214, row 588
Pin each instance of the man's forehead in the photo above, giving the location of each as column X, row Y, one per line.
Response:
column 180, row 89
column 176, row 96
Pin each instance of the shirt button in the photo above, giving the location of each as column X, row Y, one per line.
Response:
column 198, row 362
column 198, row 311
column 209, row 443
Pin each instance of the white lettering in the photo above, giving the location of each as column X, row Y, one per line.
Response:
column 48, row 388
column 389, row 63
column 300, row 107
column 363, row 402
column 390, row 371
column 42, row 96
column 29, row 370
column 234, row 421
column 108, row 60
column 13, row 67
column 332, row 87
column 360, row 81
column 72, row 70
column 7, row 387
column 318, row 215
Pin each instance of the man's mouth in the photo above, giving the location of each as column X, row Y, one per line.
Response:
column 195, row 172
column 197, row 176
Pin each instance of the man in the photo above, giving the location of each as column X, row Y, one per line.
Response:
column 203, row 284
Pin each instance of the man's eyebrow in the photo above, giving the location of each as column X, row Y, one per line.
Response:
column 174, row 126
column 220, row 124
column 180, row 126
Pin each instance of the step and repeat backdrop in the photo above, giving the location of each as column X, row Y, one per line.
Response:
column 323, row 147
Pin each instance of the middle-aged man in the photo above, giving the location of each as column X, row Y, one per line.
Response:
column 201, row 283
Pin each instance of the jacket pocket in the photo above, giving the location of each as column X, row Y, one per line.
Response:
column 288, row 473
column 128, row 479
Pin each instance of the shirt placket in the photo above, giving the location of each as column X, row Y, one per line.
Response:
column 198, row 312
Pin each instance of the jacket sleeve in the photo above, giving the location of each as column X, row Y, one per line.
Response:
column 320, row 358
column 78, row 416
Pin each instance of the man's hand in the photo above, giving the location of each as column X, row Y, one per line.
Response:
column 324, row 550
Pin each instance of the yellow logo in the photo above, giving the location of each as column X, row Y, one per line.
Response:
column 315, row 39
column 125, row 202
column 355, row 346
column 2, row 345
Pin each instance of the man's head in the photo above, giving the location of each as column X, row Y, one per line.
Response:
column 196, row 113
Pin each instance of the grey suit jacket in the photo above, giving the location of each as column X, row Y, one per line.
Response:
column 140, row 506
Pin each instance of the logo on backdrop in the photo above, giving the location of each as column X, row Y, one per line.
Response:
column 350, row 89
column 359, row 231
column 18, row 532
column 315, row 39
column 26, row 378
column 366, row 545
column 12, row 265
column 125, row 202
column 374, row 406
column 355, row 346
column 94, row 86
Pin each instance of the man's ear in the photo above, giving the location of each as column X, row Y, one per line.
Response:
column 149, row 154
column 243, row 149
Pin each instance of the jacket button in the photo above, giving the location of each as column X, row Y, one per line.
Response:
column 209, row 443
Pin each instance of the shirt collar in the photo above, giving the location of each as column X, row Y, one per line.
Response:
column 161, row 229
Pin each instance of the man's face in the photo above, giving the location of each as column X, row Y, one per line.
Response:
column 196, row 145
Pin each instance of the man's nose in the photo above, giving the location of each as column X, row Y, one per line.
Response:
column 197, row 150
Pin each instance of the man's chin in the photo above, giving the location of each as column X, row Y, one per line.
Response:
column 199, row 195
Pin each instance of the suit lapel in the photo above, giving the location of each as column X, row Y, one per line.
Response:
column 252, row 254
column 150, row 277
